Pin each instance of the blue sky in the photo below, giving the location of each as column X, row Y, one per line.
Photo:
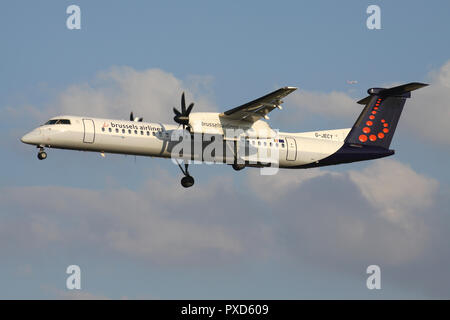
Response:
column 235, row 235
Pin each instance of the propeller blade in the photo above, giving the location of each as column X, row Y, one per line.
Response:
column 183, row 104
column 189, row 109
column 178, row 113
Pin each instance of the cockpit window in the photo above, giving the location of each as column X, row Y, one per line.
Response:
column 57, row 121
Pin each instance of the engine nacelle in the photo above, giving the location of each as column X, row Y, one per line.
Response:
column 214, row 124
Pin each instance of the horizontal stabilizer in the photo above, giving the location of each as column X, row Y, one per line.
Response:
column 399, row 91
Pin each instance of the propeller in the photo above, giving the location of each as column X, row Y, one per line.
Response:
column 183, row 116
column 137, row 119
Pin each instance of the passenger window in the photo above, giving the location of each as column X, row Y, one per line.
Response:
column 282, row 145
column 129, row 131
column 110, row 130
column 148, row 133
column 265, row 143
column 135, row 131
column 154, row 133
column 123, row 130
column 103, row 129
column 117, row 130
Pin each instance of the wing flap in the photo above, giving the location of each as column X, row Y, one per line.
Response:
column 258, row 108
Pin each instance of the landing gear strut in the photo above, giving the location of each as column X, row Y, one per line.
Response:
column 187, row 181
column 42, row 155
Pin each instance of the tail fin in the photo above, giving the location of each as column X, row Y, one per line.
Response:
column 377, row 122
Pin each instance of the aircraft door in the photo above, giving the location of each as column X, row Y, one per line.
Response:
column 291, row 145
column 89, row 131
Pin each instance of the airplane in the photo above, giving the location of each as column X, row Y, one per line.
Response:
column 251, row 139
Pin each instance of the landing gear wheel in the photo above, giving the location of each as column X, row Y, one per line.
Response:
column 238, row 167
column 187, row 181
column 42, row 155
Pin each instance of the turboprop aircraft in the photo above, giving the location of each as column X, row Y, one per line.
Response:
column 239, row 136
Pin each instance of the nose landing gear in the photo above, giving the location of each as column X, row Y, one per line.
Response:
column 42, row 155
column 187, row 181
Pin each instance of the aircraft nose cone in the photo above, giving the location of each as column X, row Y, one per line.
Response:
column 24, row 139
column 32, row 137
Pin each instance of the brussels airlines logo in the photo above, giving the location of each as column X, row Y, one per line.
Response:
column 131, row 126
column 369, row 133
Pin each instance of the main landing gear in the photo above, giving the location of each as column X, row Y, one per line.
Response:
column 187, row 181
column 42, row 155
column 238, row 167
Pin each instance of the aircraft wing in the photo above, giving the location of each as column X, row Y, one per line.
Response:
column 259, row 108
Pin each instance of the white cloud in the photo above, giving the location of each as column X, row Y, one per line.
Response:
column 381, row 209
column 379, row 212
column 269, row 188
column 115, row 93
column 395, row 189
column 333, row 104
column 338, row 220
column 427, row 113
column 163, row 224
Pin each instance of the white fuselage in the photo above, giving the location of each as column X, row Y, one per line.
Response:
column 157, row 140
